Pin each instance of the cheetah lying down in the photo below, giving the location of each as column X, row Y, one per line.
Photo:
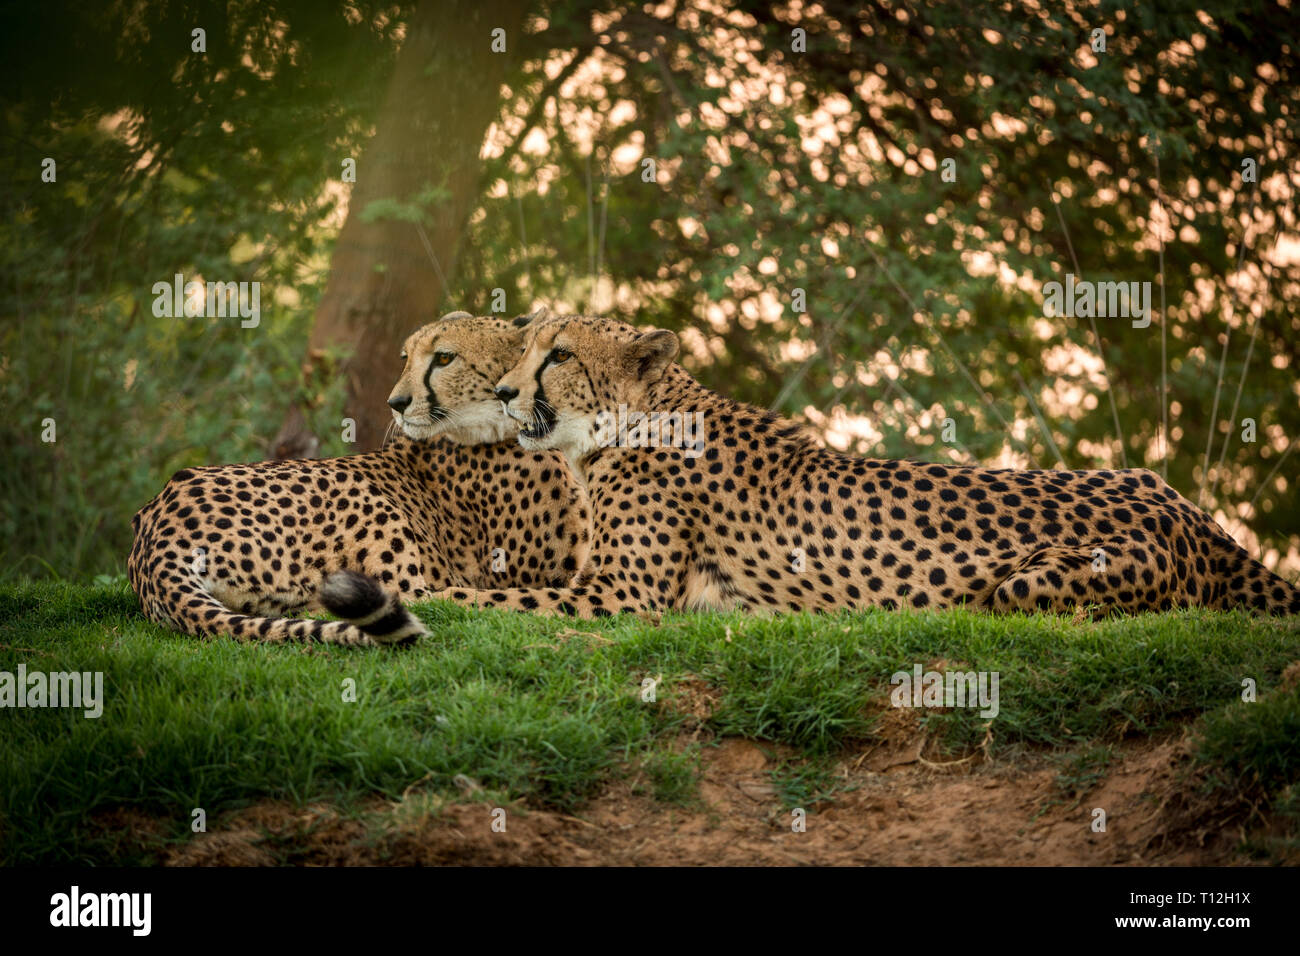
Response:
column 758, row 516
column 227, row 550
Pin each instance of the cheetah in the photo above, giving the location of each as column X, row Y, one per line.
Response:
column 758, row 516
column 229, row 550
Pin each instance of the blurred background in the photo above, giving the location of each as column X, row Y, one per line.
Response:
column 849, row 213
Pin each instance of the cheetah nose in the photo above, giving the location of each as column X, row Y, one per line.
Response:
column 400, row 403
column 505, row 392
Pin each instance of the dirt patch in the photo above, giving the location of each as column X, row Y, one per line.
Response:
column 403, row 835
column 693, row 699
column 982, row 812
column 1290, row 676
column 126, row 832
column 899, row 739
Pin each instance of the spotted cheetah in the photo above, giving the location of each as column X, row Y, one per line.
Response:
column 228, row 550
column 758, row 516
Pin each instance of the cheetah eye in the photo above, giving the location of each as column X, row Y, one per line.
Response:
column 443, row 359
column 560, row 355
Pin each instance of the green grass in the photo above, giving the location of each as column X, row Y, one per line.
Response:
column 529, row 712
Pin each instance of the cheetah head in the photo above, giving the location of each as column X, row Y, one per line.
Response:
column 451, row 368
column 574, row 368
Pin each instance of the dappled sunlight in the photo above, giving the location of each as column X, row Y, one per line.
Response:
column 877, row 208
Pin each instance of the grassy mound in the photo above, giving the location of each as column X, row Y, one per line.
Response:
column 548, row 712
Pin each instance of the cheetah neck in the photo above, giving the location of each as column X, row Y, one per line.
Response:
column 480, row 434
column 580, row 464
column 677, row 392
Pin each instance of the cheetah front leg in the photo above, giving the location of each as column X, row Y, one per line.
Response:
column 602, row 596
column 636, row 575
column 1118, row 575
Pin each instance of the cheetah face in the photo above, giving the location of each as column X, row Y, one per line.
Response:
column 572, row 370
column 451, row 368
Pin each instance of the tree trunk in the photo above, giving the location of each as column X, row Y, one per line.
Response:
column 384, row 282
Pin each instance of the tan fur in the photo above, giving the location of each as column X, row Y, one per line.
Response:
column 425, row 513
column 764, row 518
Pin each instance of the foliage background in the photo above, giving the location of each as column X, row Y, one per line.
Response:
column 776, row 170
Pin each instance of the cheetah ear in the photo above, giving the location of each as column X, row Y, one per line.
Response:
column 455, row 315
column 540, row 312
column 649, row 354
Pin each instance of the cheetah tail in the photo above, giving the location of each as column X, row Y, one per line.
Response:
column 1248, row 584
column 359, row 599
column 193, row 610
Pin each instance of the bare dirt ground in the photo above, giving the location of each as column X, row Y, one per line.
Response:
column 893, row 805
